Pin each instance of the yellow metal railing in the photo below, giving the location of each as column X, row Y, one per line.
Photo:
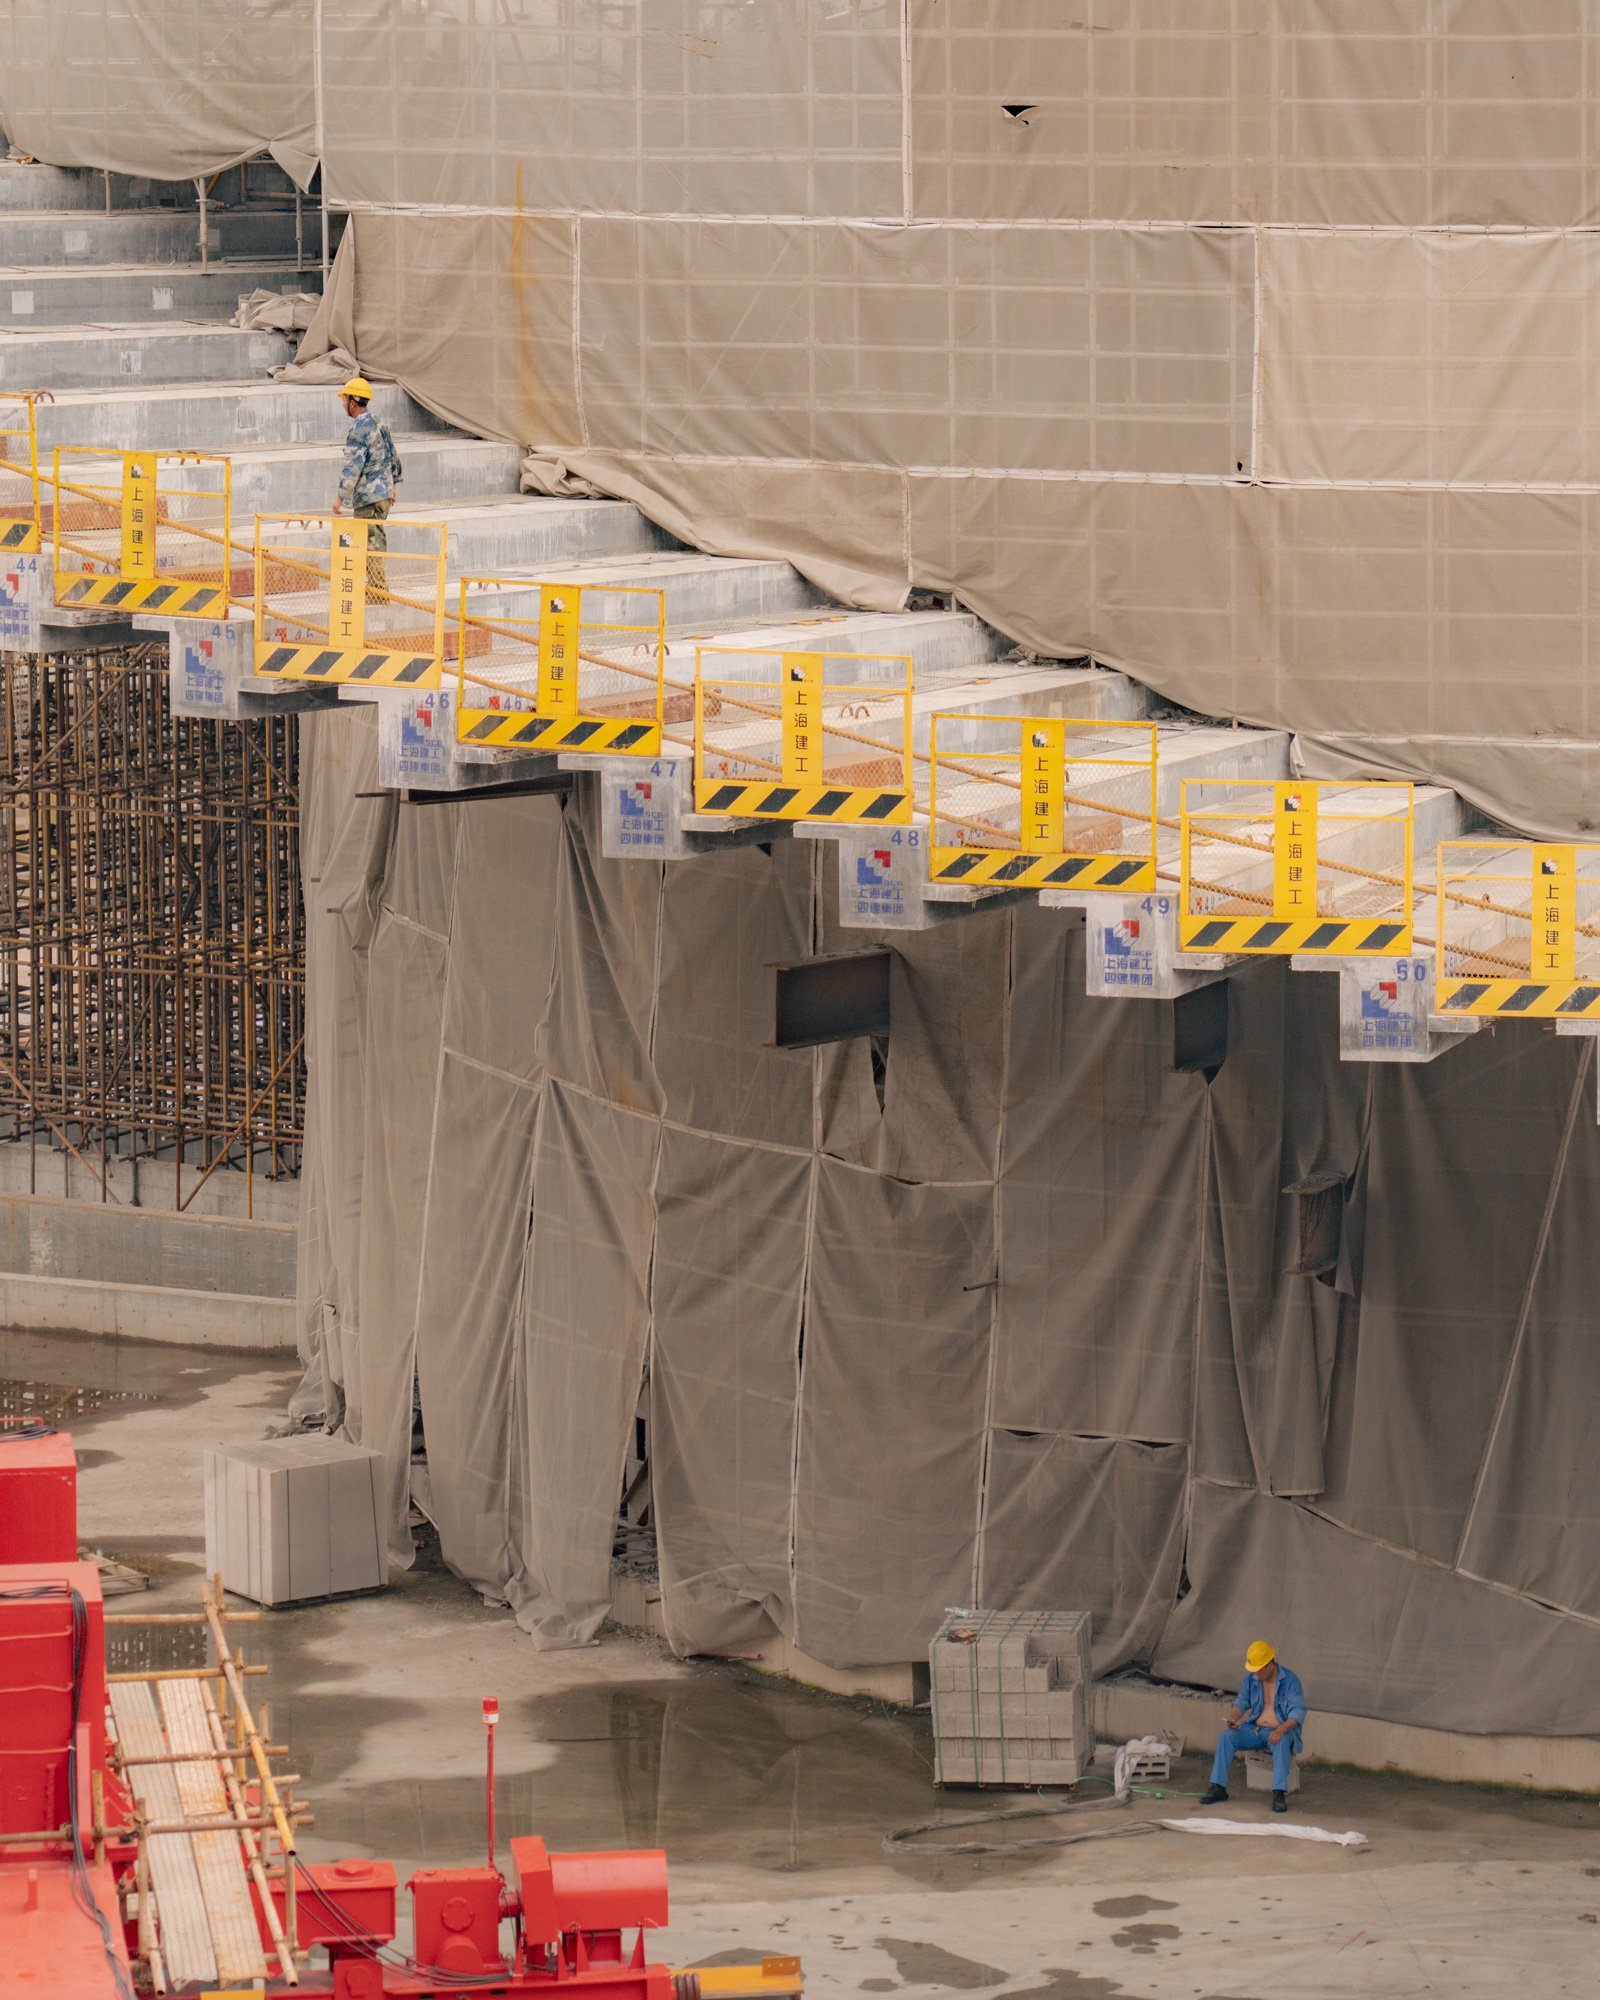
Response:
column 1256, row 874
column 340, row 599
column 1043, row 803
column 791, row 736
column 580, row 669
column 1519, row 930
column 20, row 519
column 142, row 531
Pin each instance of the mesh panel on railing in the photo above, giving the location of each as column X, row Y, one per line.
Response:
column 1295, row 867
column 561, row 666
column 781, row 735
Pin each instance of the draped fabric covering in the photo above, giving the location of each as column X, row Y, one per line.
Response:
column 1251, row 349
column 1021, row 1332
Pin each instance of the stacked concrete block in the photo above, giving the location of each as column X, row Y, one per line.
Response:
column 1010, row 1693
column 292, row 1519
column 1258, row 1772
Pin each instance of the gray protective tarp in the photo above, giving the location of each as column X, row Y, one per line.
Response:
column 1250, row 348
column 1009, row 1320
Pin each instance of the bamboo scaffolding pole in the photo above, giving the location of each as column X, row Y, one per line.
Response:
column 281, row 1944
column 179, row 1617
column 181, row 1674
column 233, row 1673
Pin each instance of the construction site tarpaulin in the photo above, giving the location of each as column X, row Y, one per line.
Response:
column 1249, row 350
column 170, row 89
column 1011, row 1320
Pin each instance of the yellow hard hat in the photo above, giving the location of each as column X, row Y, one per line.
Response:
column 358, row 385
column 1259, row 1656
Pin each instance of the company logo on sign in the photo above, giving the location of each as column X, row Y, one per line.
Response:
column 1122, row 938
column 1380, row 1002
column 873, row 868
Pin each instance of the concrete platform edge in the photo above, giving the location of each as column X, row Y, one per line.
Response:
column 147, row 1312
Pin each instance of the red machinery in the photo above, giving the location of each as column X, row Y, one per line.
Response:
column 570, row 1915
column 72, row 1841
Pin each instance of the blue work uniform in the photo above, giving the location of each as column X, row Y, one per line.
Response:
column 1288, row 1705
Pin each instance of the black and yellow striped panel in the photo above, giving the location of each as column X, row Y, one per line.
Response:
column 335, row 667
column 182, row 599
column 1133, row 874
column 854, row 805
column 520, row 729
column 21, row 537
column 1532, row 999
column 1360, row 938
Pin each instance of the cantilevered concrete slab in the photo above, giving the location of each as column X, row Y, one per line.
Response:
column 55, row 295
column 213, row 669
column 145, row 236
column 68, row 358
column 222, row 416
column 31, row 185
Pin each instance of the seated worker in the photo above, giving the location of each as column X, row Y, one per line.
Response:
column 1267, row 1716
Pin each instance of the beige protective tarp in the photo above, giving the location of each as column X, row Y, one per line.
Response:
column 168, row 88
column 1249, row 348
column 1009, row 1319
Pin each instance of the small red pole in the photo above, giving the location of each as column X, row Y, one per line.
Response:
column 491, row 1715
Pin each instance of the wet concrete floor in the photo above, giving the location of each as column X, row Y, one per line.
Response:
column 772, row 1802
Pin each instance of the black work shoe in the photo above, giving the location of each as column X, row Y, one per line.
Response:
column 1280, row 1802
column 1213, row 1795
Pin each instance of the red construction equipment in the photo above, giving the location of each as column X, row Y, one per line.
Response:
column 78, row 1818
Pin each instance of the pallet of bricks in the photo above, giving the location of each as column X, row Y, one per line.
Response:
column 1011, row 1698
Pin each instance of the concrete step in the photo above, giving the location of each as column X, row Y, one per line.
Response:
column 442, row 468
column 148, row 236
column 30, row 186
column 702, row 594
column 115, row 294
column 217, row 416
column 104, row 356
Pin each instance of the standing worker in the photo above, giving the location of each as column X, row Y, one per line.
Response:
column 1268, row 1715
column 371, row 475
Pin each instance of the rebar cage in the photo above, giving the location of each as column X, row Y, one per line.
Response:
column 152, row 945
column 1043, row 802
column 784, row 735
column 1519, row 929
column 142, row 531
column 1295, row 867
column 19, row 476
column 559, row 666
column 342, row 599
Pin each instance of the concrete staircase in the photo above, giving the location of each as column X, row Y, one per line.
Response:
column 110, row 303
column 106, row 306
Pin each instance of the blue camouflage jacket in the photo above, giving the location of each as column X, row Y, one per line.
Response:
column 372, row 468
column 1289, row 1702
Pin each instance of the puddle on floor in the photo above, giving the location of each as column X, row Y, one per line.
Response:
column 76, row 1380
column 719, row 1768
column 64, row 1404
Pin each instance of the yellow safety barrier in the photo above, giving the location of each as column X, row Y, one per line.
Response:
column 142, row 531
column 792, row 736
column 1043, row 803
column 1255, row 876
column 582, row 669
column 19, row 476
column 340, row 600
column 1519, row 930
